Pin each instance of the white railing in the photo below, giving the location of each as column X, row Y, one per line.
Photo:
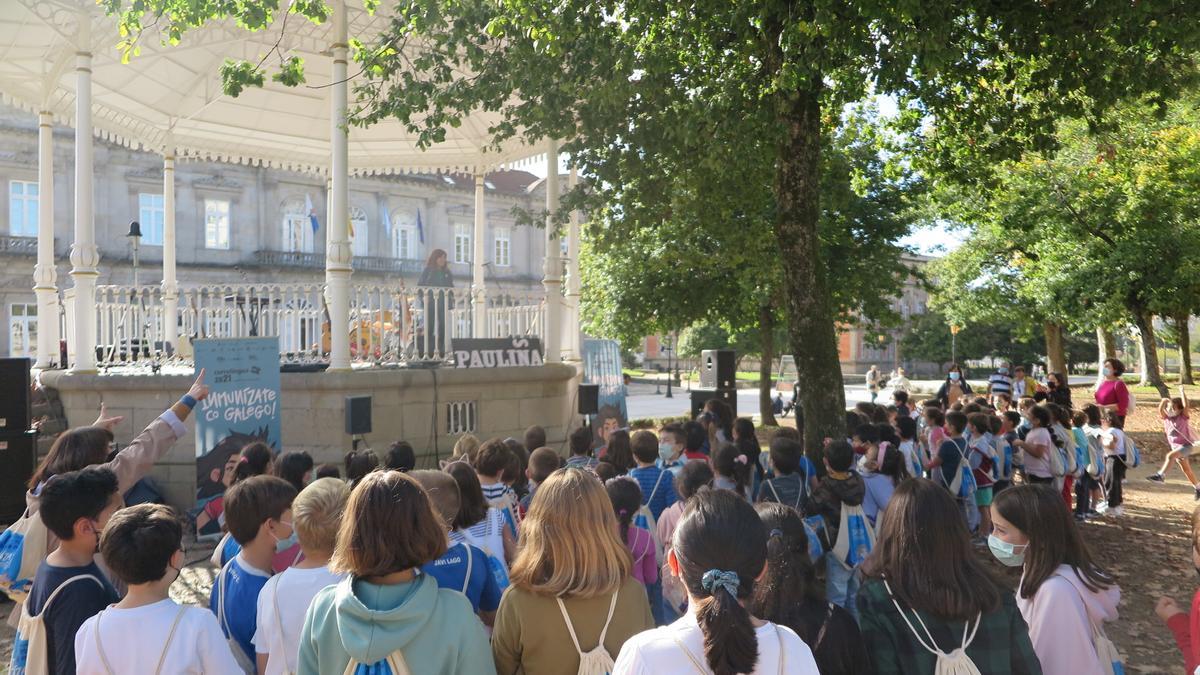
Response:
column 389, row 325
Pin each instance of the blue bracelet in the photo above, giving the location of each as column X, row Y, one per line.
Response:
column 189, row 401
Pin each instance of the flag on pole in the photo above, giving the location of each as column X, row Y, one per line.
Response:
column 350, row 225
column 312, row 213
column 387, row 224
column 420, row 228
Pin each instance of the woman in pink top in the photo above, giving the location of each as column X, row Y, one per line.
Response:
column 626, row 498
column 1112, row 393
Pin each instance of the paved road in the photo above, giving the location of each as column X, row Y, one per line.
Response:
column 643, row 402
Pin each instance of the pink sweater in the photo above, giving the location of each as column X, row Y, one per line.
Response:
column 641, row 546
column 1114, row 392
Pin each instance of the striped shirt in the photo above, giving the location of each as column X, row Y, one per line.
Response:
column 581, row 462
column 657, row 499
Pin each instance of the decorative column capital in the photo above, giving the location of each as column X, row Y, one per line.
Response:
column 45, row 276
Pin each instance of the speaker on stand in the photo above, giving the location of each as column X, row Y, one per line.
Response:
column 589, row 399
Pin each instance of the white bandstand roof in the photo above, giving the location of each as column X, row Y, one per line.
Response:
column 169, row 97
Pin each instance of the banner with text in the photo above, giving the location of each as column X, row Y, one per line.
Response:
column 602, row 366
column 242, row 407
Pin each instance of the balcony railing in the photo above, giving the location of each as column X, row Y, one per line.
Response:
column 15, row 245
column 317, row 260
column 389, row 324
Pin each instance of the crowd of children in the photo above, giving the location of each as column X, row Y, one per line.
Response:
column 683, row 550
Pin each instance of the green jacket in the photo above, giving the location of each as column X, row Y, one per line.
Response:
column 1001, row 645
column 436, row 629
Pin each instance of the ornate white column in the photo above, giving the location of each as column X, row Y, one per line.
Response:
column 552, row 268
column 170, row 289
column 572, row 332
column 478, row 285
column 337, row 237
column 45, row 276
column 85, row 258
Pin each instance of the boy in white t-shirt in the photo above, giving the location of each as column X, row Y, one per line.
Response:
column 284, row 600
column 146, row 632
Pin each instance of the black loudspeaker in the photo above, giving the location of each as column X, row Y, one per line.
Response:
column 358, row 415
column 589, row 399
column 15, row 410
column 702, row 396
column 717, row 369
column 18, row 456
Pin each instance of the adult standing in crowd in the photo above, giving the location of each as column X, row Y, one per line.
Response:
column 1001, row 381
column 1023, row 385
column 1057, row 390
column 899, row 381
column 873, row 378
column 954, row 388
column 1112, row 394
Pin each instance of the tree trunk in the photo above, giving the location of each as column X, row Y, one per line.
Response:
column 766, row 327
column 1106, row 348
column 1185, row 349
column 1145, row 324
column 1056, row 355
column 811, row 326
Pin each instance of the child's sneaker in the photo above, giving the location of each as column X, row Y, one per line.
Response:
column 1197, row 489
column 1156, row 477
column 1115, row 511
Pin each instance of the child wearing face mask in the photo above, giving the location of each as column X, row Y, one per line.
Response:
column 1065, row 596
column 1184, row 626
column 1174, row 415
column 146, row 629
column 670, row 448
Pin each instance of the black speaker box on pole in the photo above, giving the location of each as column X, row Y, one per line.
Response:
column 18, row 456
column 589, row 399
column 15, row 404
column 358, row 415
column 718, row 369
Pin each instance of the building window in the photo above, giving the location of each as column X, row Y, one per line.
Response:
column 22, row 208
column 22, row 331
column 297, row 235
column 404, row 242
column 462, row 243
column 502, row 251
column 151, row 215
column 358, row 229
column 216, row 224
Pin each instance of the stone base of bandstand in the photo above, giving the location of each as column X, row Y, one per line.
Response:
column 405, row 404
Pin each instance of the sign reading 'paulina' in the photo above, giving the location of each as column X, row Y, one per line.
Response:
column 497, row 353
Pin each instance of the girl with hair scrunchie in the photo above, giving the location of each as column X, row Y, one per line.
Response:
column 719, row 552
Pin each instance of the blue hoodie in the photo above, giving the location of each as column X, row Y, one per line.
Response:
column 435, row 629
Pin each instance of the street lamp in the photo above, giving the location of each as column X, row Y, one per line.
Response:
column 669, row 349
column 954, row 328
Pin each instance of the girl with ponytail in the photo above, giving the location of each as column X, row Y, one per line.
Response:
column 719, row 553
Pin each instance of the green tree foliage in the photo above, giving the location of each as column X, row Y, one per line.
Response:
column 640, row 90
column 928, row 338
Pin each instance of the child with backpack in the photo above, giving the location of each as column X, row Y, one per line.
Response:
column 720, row 553
column 581, row 442
column 385, row 616
column 147, row 632
column 1184, row 625
column 950, row 468
column 1116, row 460
column 1174, row 415
column 1037, row 447
column 906, row 428
column 626, row 498
column 258, row 513
column 1064, row 595
column 928, row 604
column 657, row 489
column 983, row 464
column 732, row 470
column 795, row 474
column 462, row 567
column 573, row 600
column 838, row 498
column 1002, row 451
column 69, row 587
column 480, row 525
column 316, row 515
column 493, row 458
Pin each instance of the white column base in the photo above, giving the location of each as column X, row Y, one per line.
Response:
column 337, row 294
column 47, row 323
column 479, row 320
column 171, row 320
column 85, row 321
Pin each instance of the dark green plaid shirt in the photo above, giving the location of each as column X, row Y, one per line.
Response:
column 1001, row 645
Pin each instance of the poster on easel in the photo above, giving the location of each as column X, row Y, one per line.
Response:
column 602, row 366
column 243, row 407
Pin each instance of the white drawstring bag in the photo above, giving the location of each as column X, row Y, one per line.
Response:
column 597, row 661
column 953, row 663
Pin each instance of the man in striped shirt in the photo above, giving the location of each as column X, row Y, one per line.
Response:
column 1001, row 382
